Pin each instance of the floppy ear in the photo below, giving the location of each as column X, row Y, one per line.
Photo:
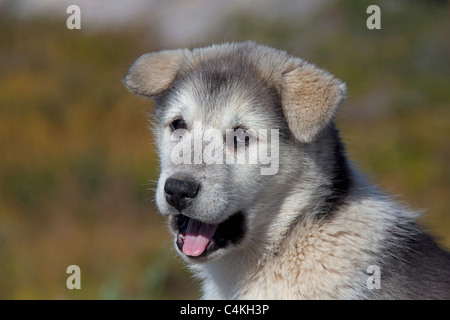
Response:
column 152, row 73
column 310, row 98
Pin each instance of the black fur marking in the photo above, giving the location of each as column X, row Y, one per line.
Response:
column 341, row 178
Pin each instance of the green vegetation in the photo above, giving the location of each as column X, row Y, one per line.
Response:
column 78, row 164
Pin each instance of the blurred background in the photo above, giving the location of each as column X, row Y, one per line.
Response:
column 78, row 165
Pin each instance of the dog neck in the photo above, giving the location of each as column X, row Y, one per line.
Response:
column 288, row 259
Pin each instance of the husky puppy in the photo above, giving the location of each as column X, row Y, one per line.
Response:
column 310, row 226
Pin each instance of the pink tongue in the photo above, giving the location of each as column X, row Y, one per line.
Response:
column 198, row 235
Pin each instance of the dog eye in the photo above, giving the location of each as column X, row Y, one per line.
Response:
column 178, row 124
column 241, row 137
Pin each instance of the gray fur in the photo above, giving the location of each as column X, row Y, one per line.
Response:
column 312, row 230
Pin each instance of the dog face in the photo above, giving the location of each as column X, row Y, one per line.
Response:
column 226, row 117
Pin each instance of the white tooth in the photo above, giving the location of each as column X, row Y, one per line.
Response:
column 182, row 236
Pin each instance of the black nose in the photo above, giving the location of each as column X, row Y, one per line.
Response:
column 179, row 193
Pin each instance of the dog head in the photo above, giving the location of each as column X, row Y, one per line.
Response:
column 215, row 106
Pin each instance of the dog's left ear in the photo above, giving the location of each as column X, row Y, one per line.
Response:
column 310, row 98
column 153, row 72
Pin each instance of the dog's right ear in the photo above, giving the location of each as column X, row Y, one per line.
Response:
column 153, row 72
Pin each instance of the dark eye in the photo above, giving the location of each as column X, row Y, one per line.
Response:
column 241, row 137
column 178, row 124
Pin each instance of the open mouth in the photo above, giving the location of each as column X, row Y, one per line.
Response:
column 200, row 239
